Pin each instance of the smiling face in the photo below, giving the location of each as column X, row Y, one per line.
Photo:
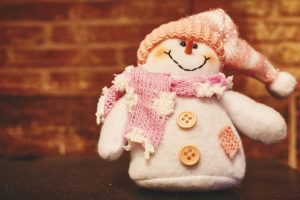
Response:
column 183, row 58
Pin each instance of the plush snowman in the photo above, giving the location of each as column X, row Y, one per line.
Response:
column 175, row 111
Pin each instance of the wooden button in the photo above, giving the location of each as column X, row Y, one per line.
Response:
column 186, row 120
column 189, row 155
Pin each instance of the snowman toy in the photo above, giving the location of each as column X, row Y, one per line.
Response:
column 175, row 111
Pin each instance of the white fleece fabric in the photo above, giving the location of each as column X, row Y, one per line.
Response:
column 256, row 120
column 283, row 85
column 111, row 142
column 215, row 169
column 189, row 183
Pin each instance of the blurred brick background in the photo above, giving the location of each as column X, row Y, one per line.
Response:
column 56, row 55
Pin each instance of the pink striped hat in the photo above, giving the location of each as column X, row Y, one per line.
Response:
column 216, row 29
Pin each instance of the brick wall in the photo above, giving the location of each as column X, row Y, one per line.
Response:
column 56, row 55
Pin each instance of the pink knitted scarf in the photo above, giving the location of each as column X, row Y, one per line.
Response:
column 150, row 100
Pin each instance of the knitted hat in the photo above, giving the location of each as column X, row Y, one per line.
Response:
column 216, row 29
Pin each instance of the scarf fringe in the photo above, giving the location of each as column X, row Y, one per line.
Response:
column 101, row 106
column 137, row 136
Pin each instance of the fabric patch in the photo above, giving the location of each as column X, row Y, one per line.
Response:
column 165, row 104
column 229, row 142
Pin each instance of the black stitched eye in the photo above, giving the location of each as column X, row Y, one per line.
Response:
column 183, row 43
column 195, row 46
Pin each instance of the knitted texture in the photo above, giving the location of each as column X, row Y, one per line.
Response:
column 229, row 142
column 191, row 86
column 216, row 29
column 112, row 97
column 244, row 58
column 194, row 27
column 150, row 100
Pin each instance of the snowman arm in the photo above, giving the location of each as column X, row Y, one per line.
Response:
column 256, row 120
column 112, row 111
column 111, row 142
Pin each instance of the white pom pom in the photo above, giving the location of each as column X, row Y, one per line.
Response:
column 283, row 85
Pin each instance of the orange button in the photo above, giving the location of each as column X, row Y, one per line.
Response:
column 189, row 155
column 186, row 120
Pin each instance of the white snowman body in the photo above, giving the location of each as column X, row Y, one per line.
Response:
column 214, row 168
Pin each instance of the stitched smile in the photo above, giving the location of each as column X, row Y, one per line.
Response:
column 175, row 61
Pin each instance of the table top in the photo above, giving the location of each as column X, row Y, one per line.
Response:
column 89, row 177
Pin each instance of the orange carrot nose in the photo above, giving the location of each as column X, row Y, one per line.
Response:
column 189, row 47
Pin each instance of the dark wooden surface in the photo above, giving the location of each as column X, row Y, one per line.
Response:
column 92, row 178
